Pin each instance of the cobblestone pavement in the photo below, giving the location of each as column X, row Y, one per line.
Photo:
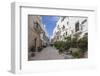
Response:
column 48, row 53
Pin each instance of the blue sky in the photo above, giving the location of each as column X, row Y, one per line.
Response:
column 50, row 23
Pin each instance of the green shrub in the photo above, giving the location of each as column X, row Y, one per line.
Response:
column 61, row 50
column 74, row 42
column 83, row 43
column 67, row 45
column 78, row 54
column 40, row 49
column 33, row 49
column 68, row 38
column 59, row 44
column 63, row 45
column 56, row 44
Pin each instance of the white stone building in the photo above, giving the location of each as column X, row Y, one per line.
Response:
column 69, row 26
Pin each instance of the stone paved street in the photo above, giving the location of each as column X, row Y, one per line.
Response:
column 48, row 53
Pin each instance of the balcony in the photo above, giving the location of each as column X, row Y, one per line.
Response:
column 37, row 27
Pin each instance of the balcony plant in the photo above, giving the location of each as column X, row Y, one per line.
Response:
column 40, row 49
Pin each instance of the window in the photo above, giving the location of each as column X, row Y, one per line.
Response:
column 81, row 27
column 84, row 21
column 58, row 27
column 66, row 33
column 67, row 23
column 37, row 26
column 77, row 26
column 86, row 34
column 63, row 18
column 63, row 27
column 57, row 37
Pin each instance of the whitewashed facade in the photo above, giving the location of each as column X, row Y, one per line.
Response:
column 69, row 26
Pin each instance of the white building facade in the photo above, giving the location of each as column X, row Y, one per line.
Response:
column 69, row 26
